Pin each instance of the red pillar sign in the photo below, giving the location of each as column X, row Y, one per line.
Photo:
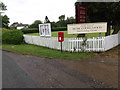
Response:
column 60, row 36
column 81, row 13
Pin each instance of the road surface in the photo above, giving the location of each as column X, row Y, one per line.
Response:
column 13, row 76
column 25, row 71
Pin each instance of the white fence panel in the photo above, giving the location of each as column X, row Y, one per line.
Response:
column 95, row 44
column 28, row 39
column 90, row 44
column 112, row 41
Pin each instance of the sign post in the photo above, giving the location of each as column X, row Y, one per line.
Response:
column 60, row 38
column 61, row 47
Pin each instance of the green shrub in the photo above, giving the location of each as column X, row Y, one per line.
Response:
column 35, row 30
column 12, row 37
column 30, row 30
column 59, row 29
column 2, row 30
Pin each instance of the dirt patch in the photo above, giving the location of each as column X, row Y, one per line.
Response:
column 102, row 66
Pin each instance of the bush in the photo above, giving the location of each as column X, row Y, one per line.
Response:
column 59, row 29
column 30, row 30
column 12, row 37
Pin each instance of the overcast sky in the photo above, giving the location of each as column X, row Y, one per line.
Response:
column 27, row 11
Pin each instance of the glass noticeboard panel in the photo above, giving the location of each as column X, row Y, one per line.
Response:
column 45, row 29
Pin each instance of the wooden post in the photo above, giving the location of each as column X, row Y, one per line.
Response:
column 100, row 34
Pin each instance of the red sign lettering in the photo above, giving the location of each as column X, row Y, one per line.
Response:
column 81, row 13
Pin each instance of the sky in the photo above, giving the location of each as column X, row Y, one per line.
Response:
column 27, row 11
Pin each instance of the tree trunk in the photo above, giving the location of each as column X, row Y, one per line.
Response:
column 108, row 30
column 116, row 29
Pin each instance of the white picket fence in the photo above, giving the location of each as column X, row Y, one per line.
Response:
column 112, row 41
column 95, row 44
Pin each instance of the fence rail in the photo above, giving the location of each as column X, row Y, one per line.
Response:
column 95, row 44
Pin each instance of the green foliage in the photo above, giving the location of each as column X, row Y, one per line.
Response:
column 54, row 24
column 5, row 21
column 36, row 30
column 55, row 34
column 62, row 18
column 30, row 30
column 4, row 29
column 104, row 12
column 45, row 52
column 2, row 6
column 12, row 36
column 46, row 20
column 70, row 20
column 36, row 24
column 59, row 29
column 63, row 22
column 66, row 35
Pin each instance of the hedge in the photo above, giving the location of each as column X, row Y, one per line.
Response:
column 59, row 29
column 12, row 37
column 30, row 30
column 35, row 30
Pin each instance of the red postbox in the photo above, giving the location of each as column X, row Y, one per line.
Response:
column 60, row 36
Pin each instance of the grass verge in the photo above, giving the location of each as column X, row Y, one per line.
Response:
column 45, row 52
column 55, row 34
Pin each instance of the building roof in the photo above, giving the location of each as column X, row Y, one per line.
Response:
column 97, row 0
column 19, row 25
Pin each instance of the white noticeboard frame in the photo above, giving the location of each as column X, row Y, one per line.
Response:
column 45, row 29
column 87, row 28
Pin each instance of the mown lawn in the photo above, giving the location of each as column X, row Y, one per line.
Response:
column 55, row 34
column 45, row 52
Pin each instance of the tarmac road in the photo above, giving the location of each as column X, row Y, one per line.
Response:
column 25, row 71
column 13, row 76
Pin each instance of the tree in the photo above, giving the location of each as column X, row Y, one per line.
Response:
column 54, row 25
column 116, row 18
column 36, row 24
column 62, row 18
column 105, row 12
column 2, row 6
column 46, row 20
column 70, row 20
column 61, row 21
column 5, row 21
